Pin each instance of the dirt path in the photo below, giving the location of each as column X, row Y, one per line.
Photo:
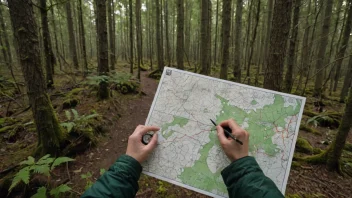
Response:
column 103, row 156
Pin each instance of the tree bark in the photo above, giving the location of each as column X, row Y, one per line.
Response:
column 238, row 36
column 180, row 34
column 167, row 40
column 111, row 35
column 48, row 52
column 347, row 82
column 268, row 31
column 292, row 47
column 82, row 38
column 71, row 34
column 277, row 49
column 103, row 62
column 344, row 44
column 205, row 37
column 50, row 133
column 322, row 49
column 216, row 32
column 335, row 150
column 139, row 37
column 131, row 35
column 226, row 24
column 55, row 36
column 159, row 50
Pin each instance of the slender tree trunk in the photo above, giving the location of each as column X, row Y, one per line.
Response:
column 82, row 38
column 72, row 40
column 55, row 36
column 204, row 40
column 139, row 38
column 216, row 32
column 277, row 49
column 344, row 43
column 322, row 48
column 226, row 23
column 50, row 134
column 131, row 35
column 48, row 52
column 103, row 62
column 292, row 47
column 180, row 34
column 111, row 35
column 158, row 36
column 248, row 33
column 268, row 31
column 167, row 42
column 347, row 82
column 238, row 36
column 252, row 43
column 335, row 150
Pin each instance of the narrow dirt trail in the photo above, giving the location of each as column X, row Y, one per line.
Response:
column 105, row 154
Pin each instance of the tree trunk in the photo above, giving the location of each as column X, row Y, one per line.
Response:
column 226, row 24
column 292, row 47
column 131, row 35
column 139, row 37
column 180, row 34
column 71, row 34
column 268, row 31
column 277, row 49
column 347, row 82
column 158, row 31
column 48, row 52
column 252, row 43
column 55, row 36
column 335, row 150
column 83, row 38
column 205, row 38
column 111, row 36
column 103, row 62
column 344, row 43
column 216, row 32
column 166, row 19
column 322, row 48
column 50, row 133
column 238, row 36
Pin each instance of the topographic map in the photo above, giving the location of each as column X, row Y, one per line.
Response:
column 188, row 152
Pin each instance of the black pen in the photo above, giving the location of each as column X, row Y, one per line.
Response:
column 228, row 133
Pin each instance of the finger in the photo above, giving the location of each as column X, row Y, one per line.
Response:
column 146, row 129
column 153, row 142
column 221, row 134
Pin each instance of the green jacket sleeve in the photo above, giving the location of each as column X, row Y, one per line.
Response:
column 121, row 180
column 244, row 178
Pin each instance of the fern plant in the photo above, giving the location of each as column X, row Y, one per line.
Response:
column 76, row 120
column 43, row 166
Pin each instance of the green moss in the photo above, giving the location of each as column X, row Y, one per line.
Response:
column 348, row 147
column 316, row 159
column 292, row 196
column 303, row 146
column 306, row 128
column 309, row 113
column 156, row 74
column 6, row 129
column 144, row 68
column 295, row 164
column 70, row 103
column 75, row 91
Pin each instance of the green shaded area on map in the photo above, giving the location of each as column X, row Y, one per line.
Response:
column 178, row 120
column 260, row 125
column 254, row 102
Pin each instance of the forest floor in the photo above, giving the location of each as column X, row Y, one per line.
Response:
column 122, row 113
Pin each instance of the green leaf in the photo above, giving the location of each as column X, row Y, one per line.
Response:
column 88, row 117
column 41, row 193
column 30, row 161
column 75, row 114
column 60, row 160
column 22, row 175
column 60, row 189
column 87, row 175
column 41, row 169
column 68, row 115
column 45, row 160
column 102, row 171
column 68, row 125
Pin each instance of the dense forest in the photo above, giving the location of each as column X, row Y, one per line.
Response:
column 76, row 77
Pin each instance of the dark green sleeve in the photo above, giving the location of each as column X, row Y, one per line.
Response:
column 121, row 180
column 244, row 178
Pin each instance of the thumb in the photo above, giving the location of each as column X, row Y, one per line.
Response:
column 153, row 142
column 221, row 134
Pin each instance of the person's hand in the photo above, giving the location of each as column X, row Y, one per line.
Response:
column 136, row 148
column 233, row 149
